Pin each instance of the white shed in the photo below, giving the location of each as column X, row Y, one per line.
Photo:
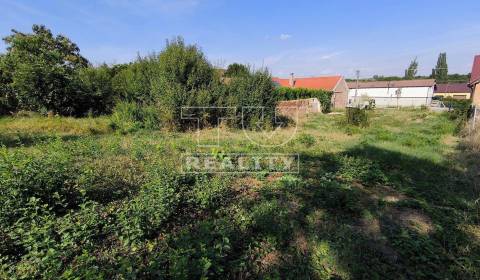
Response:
column 405, row 93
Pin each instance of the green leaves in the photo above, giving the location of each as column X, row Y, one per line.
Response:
column 41, row 69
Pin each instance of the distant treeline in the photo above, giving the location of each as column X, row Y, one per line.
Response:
column 45, row 73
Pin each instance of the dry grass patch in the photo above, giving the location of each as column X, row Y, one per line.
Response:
column 412, row 219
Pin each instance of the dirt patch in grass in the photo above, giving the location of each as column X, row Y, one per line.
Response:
column 387, row 193
column 412, row 219
column 300, row 242
column 370, row 228
column 248, row 187
column 450, row 140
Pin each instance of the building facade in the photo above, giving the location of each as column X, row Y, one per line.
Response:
column 405, row 93
column 335, row 84
column 475, row 81
column 453, row 90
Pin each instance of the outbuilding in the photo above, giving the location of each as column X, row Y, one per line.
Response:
column 475, row 81
column 335, row 84
column 404, row 93
column 453, row 90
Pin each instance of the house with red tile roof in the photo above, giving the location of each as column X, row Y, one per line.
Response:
column 475, row 81
column 336, row 84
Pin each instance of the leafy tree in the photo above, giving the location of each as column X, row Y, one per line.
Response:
column 7, row 97
column 42, row 69
column 97, row 90
column 132, row 82
column 183, row 74
column 411, row 71
column 236, row 69
column 440, row 72
column 250, row 92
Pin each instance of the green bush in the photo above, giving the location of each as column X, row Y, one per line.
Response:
column 460, row 110
column 129, row 116
column 254, row 97
column 111, row 179
column 96, row 86
column 48, row 177
column 357, row 116
column 306, row 139
column 325, row 97
column 145, row 214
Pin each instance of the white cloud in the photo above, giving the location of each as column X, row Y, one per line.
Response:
column 330, row 55
column 284, row 37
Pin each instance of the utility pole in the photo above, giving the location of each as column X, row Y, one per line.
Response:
column 356, row 88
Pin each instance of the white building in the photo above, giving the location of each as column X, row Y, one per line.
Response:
column 405, row 93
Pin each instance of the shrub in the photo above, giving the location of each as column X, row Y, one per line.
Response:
column 49, row 177
column 110, row 179
column 96, row 87
column 254, row 97
column 133, row 82
column 129, row 116
column 236, row 69
column 357, row 116
column 360, row 169
column 325, row 97
column 145, row 214
column 306, row 139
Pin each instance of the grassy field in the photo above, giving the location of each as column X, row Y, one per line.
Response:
column 395, row 200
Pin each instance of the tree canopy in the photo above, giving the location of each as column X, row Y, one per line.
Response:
column 40, row 71
column 411, row 71
column 236, row 69
column 440, row 72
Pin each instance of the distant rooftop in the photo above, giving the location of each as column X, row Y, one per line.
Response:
column 325, row 83
column 393, row 84
column 452, row 88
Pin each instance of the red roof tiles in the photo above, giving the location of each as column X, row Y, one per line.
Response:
column 475, row 77
column 325, row 83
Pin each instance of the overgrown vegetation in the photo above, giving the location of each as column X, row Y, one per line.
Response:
column 357, row 116
column 44, row 73
column 393, row 200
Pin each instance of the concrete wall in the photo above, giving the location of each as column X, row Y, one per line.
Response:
column 386, row 97
column 298, row 108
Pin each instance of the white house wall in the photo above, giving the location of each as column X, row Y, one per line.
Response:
column 386, row 97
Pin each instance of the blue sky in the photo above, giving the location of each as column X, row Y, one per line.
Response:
column 305, row 37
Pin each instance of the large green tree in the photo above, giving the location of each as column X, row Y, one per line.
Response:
column 184, row 78
column 236, row 69
column 412, row 69
column 41, row 70
column 440, row 72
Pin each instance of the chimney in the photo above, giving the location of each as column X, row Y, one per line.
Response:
column 291, row 82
